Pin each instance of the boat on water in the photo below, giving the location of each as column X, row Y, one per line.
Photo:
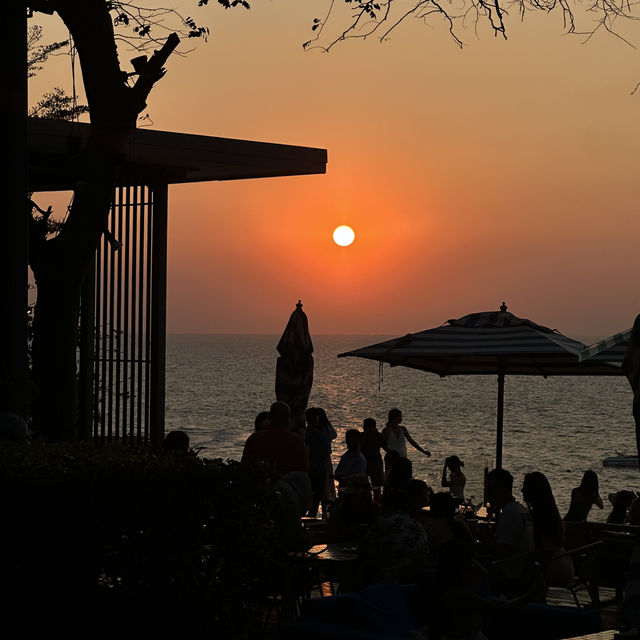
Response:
column 620, row 460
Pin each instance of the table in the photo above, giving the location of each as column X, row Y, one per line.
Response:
column 336, row 564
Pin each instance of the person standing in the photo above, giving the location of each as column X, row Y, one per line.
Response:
column 319, row 446
column 631, row 368
column 277, row 445
column 329, row 492
column 372, row 442
column 396, row 435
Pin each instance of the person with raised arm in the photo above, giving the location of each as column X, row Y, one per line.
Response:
column 396, row 435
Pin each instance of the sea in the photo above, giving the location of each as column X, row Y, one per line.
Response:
column 561, row 426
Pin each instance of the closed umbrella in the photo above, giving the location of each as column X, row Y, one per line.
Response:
column 294, row 367
column 488, row 343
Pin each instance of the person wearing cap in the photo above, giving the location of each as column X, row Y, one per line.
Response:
column 455, row 480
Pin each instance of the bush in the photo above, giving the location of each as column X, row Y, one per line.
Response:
column 105, row 539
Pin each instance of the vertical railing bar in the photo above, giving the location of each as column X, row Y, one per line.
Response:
column 158, row 314
column 103, row 337
column 118, row 327
column 112, row 284
column 134, row 272
column 125, row 330
column 147, row 347
column 141, row 315
column 96, row 343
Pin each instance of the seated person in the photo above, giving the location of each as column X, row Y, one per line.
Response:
column 512, row 543
column 176, row 441
column 419, row 495
column 461, row 610
column 396, row 547
column 455, row 479
column 262, row 421
column 621, row 502
column 352, row 462
column 354, row 512
column 442, row 524
column 548, row 530
column 583, row 497
column 289, row 502
column 400, row 474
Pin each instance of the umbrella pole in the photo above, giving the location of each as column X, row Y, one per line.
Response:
column 500, row 420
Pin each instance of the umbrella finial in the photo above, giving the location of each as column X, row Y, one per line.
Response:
column 503, row 307
column 299, row 305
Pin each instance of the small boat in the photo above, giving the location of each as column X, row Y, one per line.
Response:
column 620, row 460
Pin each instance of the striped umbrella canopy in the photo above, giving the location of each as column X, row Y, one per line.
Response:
column 610, row 350
column 488, row 343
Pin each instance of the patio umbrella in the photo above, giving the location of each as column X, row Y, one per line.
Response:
column 610, row 350
column 494, row 343
column 294, row 367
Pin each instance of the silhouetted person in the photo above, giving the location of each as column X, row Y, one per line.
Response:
column 513, row 537
column 396, row 547
column 327, row 428
column 289, row 502
column 418, row 495
column 319, row 447
column 583, row 497
column 442, row 524
column 352, row 462
column 354, row 511
column 372, row 442
column 277, row 445
column 631, row 367
column 461, row 608
column 176, row 441
column 390, row 458
column 455, row 479
column 621, row 502
column 262, row 421
column 396, row 435
column 400, row 474
column 548, row 529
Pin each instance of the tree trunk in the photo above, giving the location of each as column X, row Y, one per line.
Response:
column 60, row 265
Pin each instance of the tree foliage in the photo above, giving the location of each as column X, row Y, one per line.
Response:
column 110, row 539
column 55, row 103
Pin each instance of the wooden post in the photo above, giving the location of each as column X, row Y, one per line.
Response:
column 158, row 314
column 499, row 425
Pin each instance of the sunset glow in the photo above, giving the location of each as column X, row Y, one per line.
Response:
column 343, row 235
column 456, row 186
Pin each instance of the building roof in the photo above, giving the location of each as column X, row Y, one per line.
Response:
column 165, row 156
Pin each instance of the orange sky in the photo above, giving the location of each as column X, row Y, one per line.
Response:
column 505, row 171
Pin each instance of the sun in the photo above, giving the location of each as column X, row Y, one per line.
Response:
column 343, row 235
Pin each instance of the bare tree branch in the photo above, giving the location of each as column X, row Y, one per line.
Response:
column 369, row 17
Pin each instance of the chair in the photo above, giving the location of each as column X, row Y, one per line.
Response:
column 584, row 559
